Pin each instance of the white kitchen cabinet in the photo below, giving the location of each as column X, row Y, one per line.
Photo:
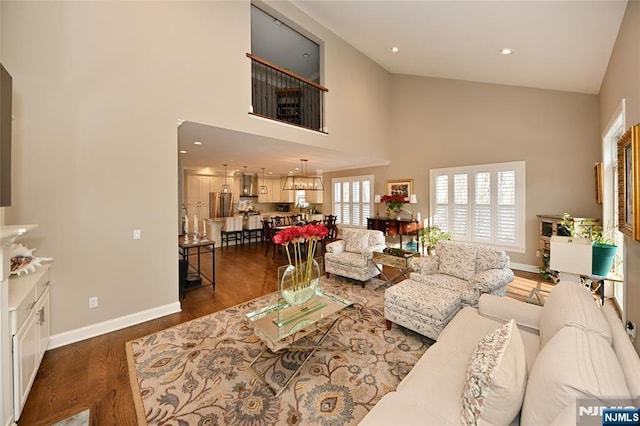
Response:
column 273, row 187
column 313, row 197
column 286, row 196
column 198, row 188
column 29, row 322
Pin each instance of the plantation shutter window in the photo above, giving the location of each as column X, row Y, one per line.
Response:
column 481, row 204
column 352, row 200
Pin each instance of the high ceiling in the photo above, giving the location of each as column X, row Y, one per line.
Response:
column 557, row 44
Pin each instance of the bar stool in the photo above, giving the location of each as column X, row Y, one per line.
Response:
column 232, row 230
column 253, row 230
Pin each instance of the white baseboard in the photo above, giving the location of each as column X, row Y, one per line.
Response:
column 93, row 330
column 523, row 267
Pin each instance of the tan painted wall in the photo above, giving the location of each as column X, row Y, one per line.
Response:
column 445, row 123
column 98, row 89
column 622, row 80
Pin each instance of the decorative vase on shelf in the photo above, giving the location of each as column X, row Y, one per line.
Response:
column 299, row 282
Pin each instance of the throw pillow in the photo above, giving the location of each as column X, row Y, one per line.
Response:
column 496, row 378
column 490, row 258
column 457, row 259
column 355, row 240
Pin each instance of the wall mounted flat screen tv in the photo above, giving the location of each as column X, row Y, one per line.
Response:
column 6, row 89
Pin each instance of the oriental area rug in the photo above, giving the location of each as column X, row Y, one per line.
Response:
column 198, row 373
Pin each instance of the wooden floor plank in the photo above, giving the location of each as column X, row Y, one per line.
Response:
column 93, row 373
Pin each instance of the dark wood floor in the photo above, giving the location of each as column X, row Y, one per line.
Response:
column 93, row 373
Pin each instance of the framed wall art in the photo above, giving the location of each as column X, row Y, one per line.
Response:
column 402, row 187
column 629, row 183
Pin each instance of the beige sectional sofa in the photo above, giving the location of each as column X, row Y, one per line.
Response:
column 508, row 362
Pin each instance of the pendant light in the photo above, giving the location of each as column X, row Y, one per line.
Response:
column 303, row 182
column 225, row 188
column 263, row 188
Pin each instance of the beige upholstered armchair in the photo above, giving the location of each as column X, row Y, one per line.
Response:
column 352, row 255
column 464, row 268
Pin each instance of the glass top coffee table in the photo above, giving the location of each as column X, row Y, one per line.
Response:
column 280, row 325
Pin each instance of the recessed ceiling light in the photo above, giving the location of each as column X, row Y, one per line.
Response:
column 506, row 51
column 182, row 151
column 394, row 49
column 277, row 22
column 305, row 55
column 197, row 143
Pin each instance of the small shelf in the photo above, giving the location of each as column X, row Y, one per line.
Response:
column 288, row 102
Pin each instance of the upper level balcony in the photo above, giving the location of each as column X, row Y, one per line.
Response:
column 279, row 94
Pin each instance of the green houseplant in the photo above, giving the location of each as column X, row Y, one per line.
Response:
column 603, row 250
column 430, row 235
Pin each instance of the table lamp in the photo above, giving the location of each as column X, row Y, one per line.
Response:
column 413, row 199
column 377, row 199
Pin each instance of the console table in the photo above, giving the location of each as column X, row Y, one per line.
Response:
column 204, row 245
column 398, row 227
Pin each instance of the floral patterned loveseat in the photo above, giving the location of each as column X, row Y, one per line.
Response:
column 467, row 269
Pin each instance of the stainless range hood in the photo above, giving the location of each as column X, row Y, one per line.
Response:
column 249, row 185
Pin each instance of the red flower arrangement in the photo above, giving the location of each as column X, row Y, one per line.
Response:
column 394, row 202
column 297, row 236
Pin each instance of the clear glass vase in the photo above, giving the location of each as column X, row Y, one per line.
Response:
column 298, row 283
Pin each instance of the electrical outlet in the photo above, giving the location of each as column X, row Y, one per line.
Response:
column 137, row 234
column 537, row 253
column 93, row 302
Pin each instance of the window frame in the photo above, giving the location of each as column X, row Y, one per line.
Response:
column 337, row 211
column 519, row 234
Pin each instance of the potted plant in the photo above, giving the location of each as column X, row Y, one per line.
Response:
column 430, row 235
column 603, row 248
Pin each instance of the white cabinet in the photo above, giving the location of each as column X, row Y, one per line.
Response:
column 274, row 187
column 198, row 188
column 30, row 330
column 286, row 196
column 313, row 197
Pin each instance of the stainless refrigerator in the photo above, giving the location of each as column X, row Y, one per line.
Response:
column 220, row 204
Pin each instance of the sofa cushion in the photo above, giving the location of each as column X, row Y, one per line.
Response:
column 496, row 378
column 625, row 352
column 575, row 363
column 427, row 395
column 356, row 260
column 448, row 282
column 457, row 259
column 490, row 258
column 356, row 241
column 570, row 304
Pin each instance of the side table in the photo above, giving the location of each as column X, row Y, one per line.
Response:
column 207, row 245
column 401, row 263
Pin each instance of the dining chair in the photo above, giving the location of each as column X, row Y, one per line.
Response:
column 330, row 219
column 277, row 221
column 269, row 231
